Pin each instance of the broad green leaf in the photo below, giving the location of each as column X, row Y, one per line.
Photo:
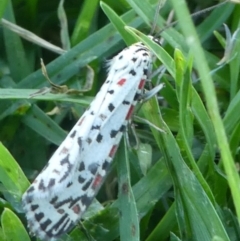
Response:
column 12, row 227
column 12, row 177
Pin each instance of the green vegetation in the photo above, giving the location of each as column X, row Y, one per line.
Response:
column 181, row 183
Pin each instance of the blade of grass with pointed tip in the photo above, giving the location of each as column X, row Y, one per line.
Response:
column 128, row 220
column 63, row 26
column 18, row 94
column 210, row 96
column 167, row 224
column 84, row 20
column 184, row 88
column 16, row 55
column 190, row 196
column 118, row 23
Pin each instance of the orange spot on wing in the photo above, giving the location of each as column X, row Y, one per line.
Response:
column 76, row 209
column 81, row 121
column 60, row 211
column 141, row 84
column 130, row 111
column 121, row 82
column 113, row 151
column 97, row 181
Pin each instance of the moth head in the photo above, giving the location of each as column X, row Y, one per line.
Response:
column 155, row 39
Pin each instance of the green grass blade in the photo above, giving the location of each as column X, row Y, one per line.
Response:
column 118, row 24
column 128, row 222
column 27, row 94
column 84, row 20
column 64, row 26
column 37, row 120
column 211, row 101
column 16, row 55
column 3, row 5
column 164, row 227
column 184, row 88
column 191, row 198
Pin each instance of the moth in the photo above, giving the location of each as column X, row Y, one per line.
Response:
column 65, row 188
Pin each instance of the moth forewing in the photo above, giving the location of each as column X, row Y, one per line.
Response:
column 67, row 185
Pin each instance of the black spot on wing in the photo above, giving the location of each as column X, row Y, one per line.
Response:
column 61, row 203
column 65, row 225
column 73, row 134
column 93, row 168
column 45, row 224
column 64, row 219
column 113, row 133
column 137, row 97
column 145, row 72
column 125, row 102
column 41, row 186
column 134, row 59
column 51, row 183
column 95, row 127
column 28, row 199
column 81, row 167
column 34, row 207
column 89, row 140
column 141, row 49
column 86, row 200
column 65, row 161
column 122, row 128
column 87, row 184
column 111, row 107
column 30, row 189
column 110, row 92
column 99, row 138
column 39, row 216
column 79, row 141
column 54, row 200
column 132, row 72
column 74, row 201
column 102, row 117
column 105, row 165
column 81, row 179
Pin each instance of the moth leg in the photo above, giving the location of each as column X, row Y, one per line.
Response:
column 149, row 94
column 85, row 231
column 149, row 123
column 131, row 126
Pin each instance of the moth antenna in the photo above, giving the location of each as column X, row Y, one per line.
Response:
column 160, row 5
column 193, row 15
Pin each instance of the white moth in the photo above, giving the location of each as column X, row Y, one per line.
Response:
column 67, row 185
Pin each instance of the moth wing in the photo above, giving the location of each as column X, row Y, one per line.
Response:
column 65, row 188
